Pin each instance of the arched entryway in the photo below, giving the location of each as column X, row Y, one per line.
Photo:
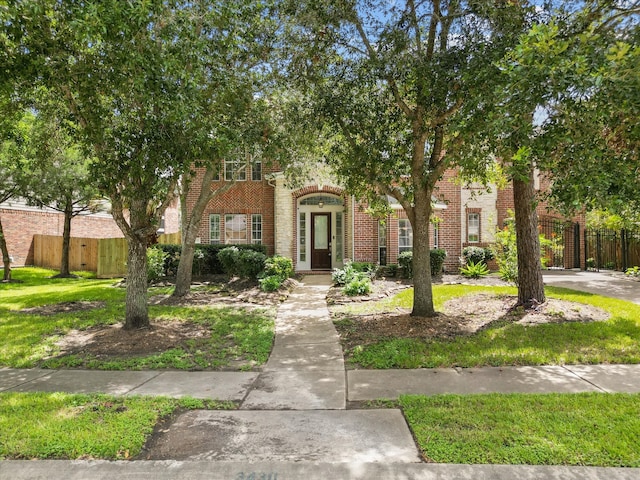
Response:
column 321, row 231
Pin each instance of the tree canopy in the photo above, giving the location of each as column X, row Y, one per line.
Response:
column 403, row 85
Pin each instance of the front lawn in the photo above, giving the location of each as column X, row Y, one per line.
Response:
column 592, row 429
column 65, row 426
column 392, row 340
column 57, row 323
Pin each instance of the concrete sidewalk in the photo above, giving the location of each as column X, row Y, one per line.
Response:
column 293, row 419
column 241, row 387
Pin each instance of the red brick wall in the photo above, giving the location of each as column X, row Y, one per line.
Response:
column 365, row 235
column 449, row 227
column 246, row 197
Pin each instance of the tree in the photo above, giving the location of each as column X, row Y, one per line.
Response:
column 120, row 68
column 11, row 172
column 595, row 160
column 58, row 173
column 400, row 83
column 235, row 106
column 555, row 73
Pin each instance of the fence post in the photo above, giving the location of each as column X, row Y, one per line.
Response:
column 576, row 245
column 625, row 250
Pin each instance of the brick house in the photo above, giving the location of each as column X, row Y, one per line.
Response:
column 21, row 222
column 320, row 225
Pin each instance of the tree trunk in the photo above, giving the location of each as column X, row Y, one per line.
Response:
column 530, row 283
column 185, row 266
column 422, row 290
column 140, row 228
column 66, row 240
column 6, row 260
column 137, row 314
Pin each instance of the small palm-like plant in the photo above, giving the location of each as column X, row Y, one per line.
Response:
column 474, row 270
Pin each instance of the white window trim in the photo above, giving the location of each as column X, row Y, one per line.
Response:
column 409, row 229
column 215, row 241
column 253, row 223
column 476, row 229
column 235, row 170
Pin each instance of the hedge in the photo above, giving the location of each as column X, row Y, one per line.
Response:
column 205, row 258
column 437, row 256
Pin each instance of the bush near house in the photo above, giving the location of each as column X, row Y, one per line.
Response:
column 205, row 258
column 243, row 263
column 276, row 270
column 476, row 255
column 355, row 277
column 405, row 260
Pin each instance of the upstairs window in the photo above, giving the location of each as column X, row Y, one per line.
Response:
column 256, row 170
column 235, row 170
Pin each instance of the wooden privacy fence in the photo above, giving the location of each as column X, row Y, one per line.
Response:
column 105, row 256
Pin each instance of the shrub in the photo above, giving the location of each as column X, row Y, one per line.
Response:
column 276, row 270
column 474, row 270
column 205, row 258
column 270, row 283
column 342, row 276
column 437, row 261
column 281, row 267
column 358, row 286
column 250, row 263
column 633, row 272
column 405, row 261
column 228, row 257
column 155, row 264
column 390, row 270
column 436, row 257
column 476, row 255
column 364, row 267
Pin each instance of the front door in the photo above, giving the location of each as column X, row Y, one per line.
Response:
column 321, row 241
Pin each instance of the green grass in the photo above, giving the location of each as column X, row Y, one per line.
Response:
column 65, row 426
column 238, row 336
column 616, row 340
column 592, row 429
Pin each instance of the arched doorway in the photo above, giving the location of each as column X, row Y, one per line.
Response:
column 321, row 232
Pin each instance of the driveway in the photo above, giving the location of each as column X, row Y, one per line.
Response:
column 610, row 284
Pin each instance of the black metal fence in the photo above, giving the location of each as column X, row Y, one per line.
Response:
column 561, row 243
column 612, row 250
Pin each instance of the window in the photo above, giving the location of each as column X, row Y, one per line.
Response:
column 235, row 229
column 436, row 235
column 405, row 235
column 256, row 170
column 339, row 237
column 322, row 200
column 235, row 170
column 473, row 227
column 303, row 237
column 214, row 228
column 382, row 242
column 256, row 229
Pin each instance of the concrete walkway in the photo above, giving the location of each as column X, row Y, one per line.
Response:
column 293, row 419
column 610, row 284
